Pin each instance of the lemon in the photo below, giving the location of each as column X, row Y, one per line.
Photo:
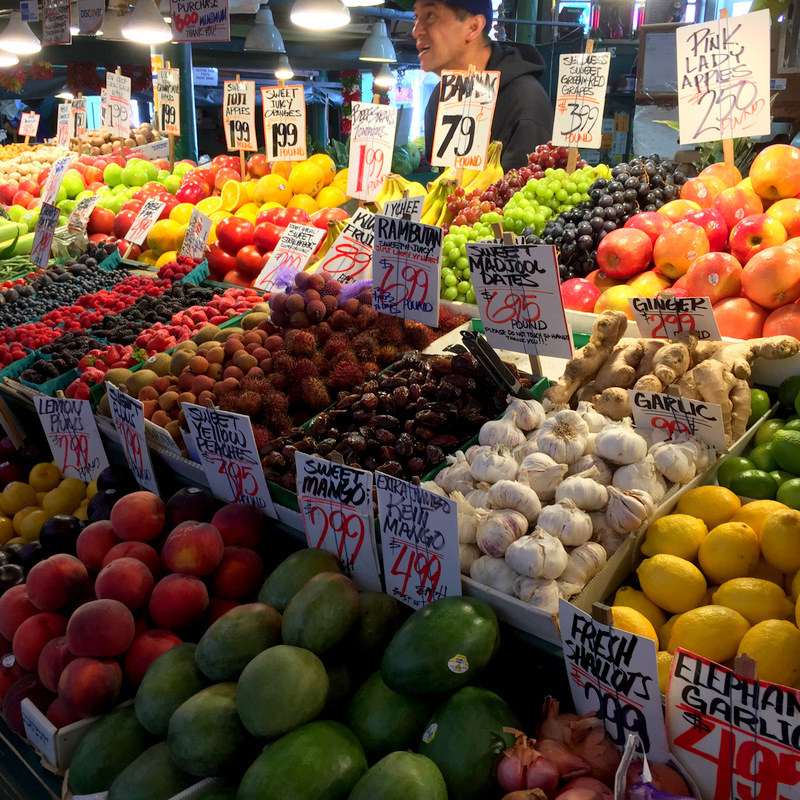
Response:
column 754, row 514
column 91, row 489
column 672, row 583
column 32, row 524
column 44, row 477
column 709, row 593
column 40, row 498
column 712, row 504
column 6, row 530
column 75, row 487
column 795, row 585
column 664, row 662
column 767, row 572
column 755, row 599
column 59, row 501
column 629, row 619
column 16, row 496
column 729, row 551
column 713, row 632
column 20, row 517
column 633, row 598
column 666, row 630
column 780, row 540
column 676, row 535
column 775, row 646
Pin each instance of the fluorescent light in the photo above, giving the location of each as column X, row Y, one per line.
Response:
column 146, row 25
column 18, row 37
column 283, row 72
column 264, row 35
column 320, row 15
column 385, row 77
column 362, row 3
column 378, row 46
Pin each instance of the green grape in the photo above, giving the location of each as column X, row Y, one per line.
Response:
column 462, row 263
column 460, row 298
column 446, row 271
column 463, row 249
column 450, row 280
column 450, row 293
column 464, row 287
column 575, row 198
column 571, row 187
column 562, row 195
column 471, row 295
column 452, row 254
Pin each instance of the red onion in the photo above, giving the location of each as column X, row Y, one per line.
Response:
column 569, row 765
column 522, row 767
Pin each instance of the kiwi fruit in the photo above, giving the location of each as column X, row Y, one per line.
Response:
column 180, row 358
column 206, row 334
column 160, row 364
column 187, row 345
column 138, row 380
column 118, row 376
column 254, row 319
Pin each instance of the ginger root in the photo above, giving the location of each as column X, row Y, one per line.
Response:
column 737, row 357
column 670, row 362
column 648, row 383
column 614, row 403
column 740, row 411
column 650, row 348
column 714, row 383
column 620, row 367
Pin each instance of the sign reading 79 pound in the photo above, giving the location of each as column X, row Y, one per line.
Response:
column 238, row 113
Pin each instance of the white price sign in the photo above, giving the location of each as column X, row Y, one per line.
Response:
column 581, row 98
column 464, row 118
column 63, row 123
column 78, row 118
column 239, row 116
column 79, row 218
column 157, row 435
column 194, row 241
column 410, row 207
column 350, row 256
column 29, row 10
column 147, row 217
column 200, row 21
column 284, row 109
column 290, row 255
column 43, row 238
column 118, row 111
column 128, row 415
column 371, row 145
column 336, row 504
column 28, row 124
column 104, row 107
column 169, row 106
column 665, row 316
column 55, row 178
column 723, row 78
column 56, row 22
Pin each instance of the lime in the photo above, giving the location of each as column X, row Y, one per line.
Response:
column 759, row 405
column 755, row 483
column 732, row 467
column 789, row 493
column 781, row 476
column 788, row 391
column 792, row 425
column 762, row 457
column 767, row 429
column 786, row 450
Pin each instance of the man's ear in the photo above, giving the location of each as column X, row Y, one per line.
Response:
column 475, row 25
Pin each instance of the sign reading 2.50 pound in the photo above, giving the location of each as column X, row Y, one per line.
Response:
column 238, row 113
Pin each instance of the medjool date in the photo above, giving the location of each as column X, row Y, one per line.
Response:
column 388, row 453
column 405, row 445
column 356, row 441
column 416, row 465
column 385, row 436
column 431, row 419
column 434, row 455
column 386, row 421
column 390, row 468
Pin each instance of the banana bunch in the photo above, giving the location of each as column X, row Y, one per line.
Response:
column 393, row 188
column 472, row 179
column 435, row 210
column 335, row 227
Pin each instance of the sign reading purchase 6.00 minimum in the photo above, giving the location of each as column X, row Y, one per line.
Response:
column 169, row 101
column 464, row 118
column 284, row 109
column 239, row 116
column 371, row 145
column 581, row 98
column 28, row 124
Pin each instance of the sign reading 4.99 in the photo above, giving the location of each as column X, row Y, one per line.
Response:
column 238, row 113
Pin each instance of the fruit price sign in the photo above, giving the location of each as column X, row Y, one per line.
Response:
column 200, row 21
column 336, row 504
column 28, row 124
column 464, row 118
column 62, row 124
column 410, row 207
column 169, row 101
column 43, row 238
column 350, row 256
column 147, row 217
column 55, row 178
column 284, row 109
column 737, row 738
column 228, row 453
column 371, row 144
column 419, row 542
column 290, row 255
column 518, row 296
column 406, row 269
column 582, row 81
column 56, row 22
column 666, row 316
column 654, row 412
column 194, row 241
column 239, row 116
column 155, row 434
column 79, row 218
column 128, row 415
column 614, row 674
column 78, row 118
column 723, row 78
column 73, row 436
column 118, row 109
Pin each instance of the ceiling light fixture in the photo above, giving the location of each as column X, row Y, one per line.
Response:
column 363, row 3
column 378, row 46
column 320, row 15
column 18, row 37
column 283, row 71
column 146, row 25
column 8, row 59
column 264, row 35
column 65, row 95
column 385, row 77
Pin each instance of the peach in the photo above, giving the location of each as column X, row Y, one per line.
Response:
column 754, row 234
column 10, row 673
column 56, row 582
column 239, row 523
column 144, row 650
column 53, row 659
column 100, row 629
column 89, row 686
column 15, row 608
column 33, row 635
column 138, row 517
column 178, row 601
column 58, row 716
column 188, row 504
column 217, row 607
column 28, row 686
column 127, row 580
column 239, row 574
column 139, row 550
column 94, row 542
column 737, row 203
column 193, row 548
column 5, row 646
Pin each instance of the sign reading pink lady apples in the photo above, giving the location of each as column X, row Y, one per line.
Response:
column 200, row 21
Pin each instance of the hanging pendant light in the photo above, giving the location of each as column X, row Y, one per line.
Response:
column 320, row 15
column 363, row 3
column 378, row 46
column 8, row 59
column 264, row 35
column 146, row 25
column 283, row 71
column 385, row 77
column 18, row 37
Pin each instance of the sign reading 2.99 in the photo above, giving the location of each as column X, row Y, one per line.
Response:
column 238, row 113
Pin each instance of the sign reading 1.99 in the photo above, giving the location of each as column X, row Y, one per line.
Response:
column 371, row 145
column 284, row 109
column 238, row 113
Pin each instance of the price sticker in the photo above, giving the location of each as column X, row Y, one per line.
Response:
column 464, row 118
column 723, row 78
column 239, row 116
column 336, row 504
column 128, row 415
column 169, row 101
column 78, row 118
column 284, row 109
column 79, row 218
column 194, row 241
column 73, row 436
column 410, row 207
column 43, row 238
column 519, row 298
column 371, row 145
column 28, row 124
column 208, row 21
column 147, row 217
column 56, row 22
column 406, row 269
column 55, row 178
column 581, row 98
column 227, row 450
column 63, row 123
column 665, row 316
column 118, row 110
column 291, row 254
column 350, row 256
column 419, row 542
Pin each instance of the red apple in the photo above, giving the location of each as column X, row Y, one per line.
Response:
column 651, row 222
column 22, row 198
column 92, row 175
column 123, row 221
column 132, row 205
column 161, row 163
column 737, row 203
column 225, row 161
column 101, row 163
column 257, row 165
column 7, row 192
column 95, row 186
column 775, row 172
column 715, row 275
column 34, row 203
column 88, row 160
column 225, row 174
column 754, row 234
column 713, row 223
column 624, row 252
column 677, row 247
column 101, row 220
column 578, row 294
column 203, row 174
column 115, row 158
column 193, row 192
column 786, row 211
column 702, row 190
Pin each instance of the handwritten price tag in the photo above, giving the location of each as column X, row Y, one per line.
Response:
column 155, row 434
column 79, row 218
column 598, row 655
column 284, row 109
column 723, row 78
column 229, row 456
column 206, row 21
column 56, row 22
column 406, row 269
column 73, row 436
column 78, row 118
column 118, row 110
column 405, row 206
column 55, row 178
column 519, row 299
column 194, row 241
column 43, row 238
column 28, row 124
column 464, row 118
column 169, row 101
column 582, row 82
column 62, row 124
column 239, row 116
column 371, row 144
column 419, row 541
column 665, row 316
column 147, row 217
column 128, row 415
column 291, row 254
column 336, row 504
column 671, row 415
column 350, row 256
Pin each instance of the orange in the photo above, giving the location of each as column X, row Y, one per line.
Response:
column 163, row 235
column 181, row 212
column 212, row 234
column 326, row 164
column 616, row 299
column 273, row 187
column 308, row 204
column 165, row 258
column 282, row 168
column 330, row 197
column 306, row 178
column 250, row 188
column 248, row 210
column 340, row 181
column 209, row 205
column 218, row 215
column 234, row 195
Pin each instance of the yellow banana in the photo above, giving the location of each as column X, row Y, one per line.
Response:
column 431, row 214
column 491, row 173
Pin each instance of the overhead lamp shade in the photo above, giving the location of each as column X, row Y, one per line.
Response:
column 18, row 37
column 112, row 26
column 264, row 35
column 320, row 15
column 146, row 25
column 378, row 46
column 363, row 3
column 385, row 77
column 284, row 71
column 8, row 59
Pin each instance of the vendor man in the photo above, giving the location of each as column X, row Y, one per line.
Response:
column 454, row 34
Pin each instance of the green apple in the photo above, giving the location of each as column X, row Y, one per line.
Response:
column 73, row 183
column 172, row 183
column 120, row 188
column 31, row 218
column 135, row 174
column 62, row 194
column 162, row 173
column 112, row 174
column 84, row 194
column 16, row 213
column 115, row 203
column 67, row 206
column 62, row 221
column 181, row 169
column 151, row 170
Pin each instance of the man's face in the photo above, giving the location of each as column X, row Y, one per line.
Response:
column 439, row 34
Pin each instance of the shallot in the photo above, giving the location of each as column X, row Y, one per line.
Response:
column 585, row 789
column 522, row 767
column 569, row 765
column 586, row 737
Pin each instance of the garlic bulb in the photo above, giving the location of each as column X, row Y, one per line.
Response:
column 588, row 448
column 568, row 589
column 494, row 465
column 529, row 413
column 538, row 555
column 541, row 594
column 627, row 511
column 563, row 436
column 434, row 487
column 479, row 498
column 566, row 522
column 529, row 446
column 620, row 444
column 584, row 563
column 706, row 455
column 501, row 431
column 542, row 474
column 468, row 554
column 456, row 477
column 515, row 495
column 642, row 475
column 497, row 529
column 494, row 572
column 603, row 533
column 593, row 418
column 467, row 518
column 676, row 461
column 583, row 490
column 475, row 450
column 585, row 463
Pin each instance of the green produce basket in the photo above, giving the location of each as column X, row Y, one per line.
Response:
column 111, row 261
column 198, row 274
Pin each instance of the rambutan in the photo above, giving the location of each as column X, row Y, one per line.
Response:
column 337, row 342
column 350, row 306
column 305, row 368
column 345, row 355
column 321, row 363
column 278, row 380
column 386, row 354
column 274, row 402
column 248, row 402
column 280, row 423
column 364, row 346
column 294, row 303
column 347, row 375
column 323, row 332
column 341, row 321
column 389, row 330
column 283, row 362
column 448, row 320
column 262, row 436
column 365, row 297
column 228, row 402
column 366, row 320
column 256, row 384
column 315, row 394
column 300, row 343
column 417, row 335
column 370, row 368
